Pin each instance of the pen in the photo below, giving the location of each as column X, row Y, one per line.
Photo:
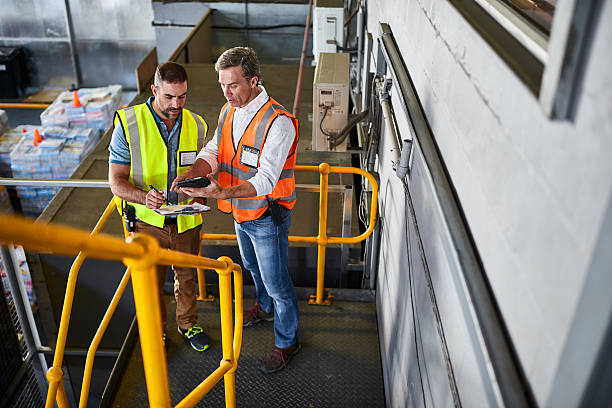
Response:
column 157, row 191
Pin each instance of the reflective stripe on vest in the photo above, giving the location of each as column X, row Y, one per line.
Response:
column 141, row 132
column 231, row 172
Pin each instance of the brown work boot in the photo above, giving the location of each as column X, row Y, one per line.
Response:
column 279, row 358
column 255, row 315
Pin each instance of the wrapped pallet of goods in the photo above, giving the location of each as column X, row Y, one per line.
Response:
column 32, row 161
column 8, row 141
column 56, row 155
column 21, row 266
column 84, row 108
column 5, row 201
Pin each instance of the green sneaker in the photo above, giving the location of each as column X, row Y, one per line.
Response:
column 196, row 337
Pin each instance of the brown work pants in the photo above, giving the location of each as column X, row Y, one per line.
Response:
column 184, row 278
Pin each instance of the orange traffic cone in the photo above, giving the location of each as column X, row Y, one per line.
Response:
column 37, row 137
column 76, row 102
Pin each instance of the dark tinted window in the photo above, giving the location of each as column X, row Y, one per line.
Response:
column 538, row 12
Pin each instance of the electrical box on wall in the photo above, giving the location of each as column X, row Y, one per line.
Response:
column 327, row 27
column 330, row 102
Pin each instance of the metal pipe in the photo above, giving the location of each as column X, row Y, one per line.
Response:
column 98, row 183
column 73, row 51
column 246, row 20
column 298, row 87
column 205, row 386
column 383, row 96
column 54, row 183
column 80, row 352
column 347, row 218
column 6, row 105
column 359, row 48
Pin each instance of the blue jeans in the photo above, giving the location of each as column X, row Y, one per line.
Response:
column 264, row 248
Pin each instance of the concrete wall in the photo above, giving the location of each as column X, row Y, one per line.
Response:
column 273, row 45
column 534, row 192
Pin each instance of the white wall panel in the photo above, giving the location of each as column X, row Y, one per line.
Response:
column 533, row 190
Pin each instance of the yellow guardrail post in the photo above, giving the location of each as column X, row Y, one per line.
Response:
column 148, row 313
column 322, row 238
column 202, row 291
column 238, row 315
column 91, row 353
column 230, row 346
column 55, row 375
column 227, row 331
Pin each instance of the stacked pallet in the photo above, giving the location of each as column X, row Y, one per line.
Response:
column 55, row 157
column 87, row 107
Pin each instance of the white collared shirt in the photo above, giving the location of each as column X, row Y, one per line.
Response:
column 276, row 148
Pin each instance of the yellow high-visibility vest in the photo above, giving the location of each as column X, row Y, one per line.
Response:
column 149, row 157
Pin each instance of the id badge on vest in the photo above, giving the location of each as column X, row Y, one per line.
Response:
column 187, row 158
column 249, row 156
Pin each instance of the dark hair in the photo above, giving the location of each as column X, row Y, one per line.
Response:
column 244, row 57
column 170, row 72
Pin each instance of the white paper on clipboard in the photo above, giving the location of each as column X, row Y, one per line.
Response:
column 192, row 209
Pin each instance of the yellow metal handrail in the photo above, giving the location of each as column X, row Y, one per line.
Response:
column 91, row 352
column 322, row 240
column 141, row 253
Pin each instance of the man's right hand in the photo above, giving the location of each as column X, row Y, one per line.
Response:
column 198, row 168
column 183, row 176
column 154, row 200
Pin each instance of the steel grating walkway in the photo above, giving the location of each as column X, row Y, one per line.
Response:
column 338, row 366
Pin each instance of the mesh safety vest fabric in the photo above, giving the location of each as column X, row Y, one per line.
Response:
column 149, row 157
column 232, row 172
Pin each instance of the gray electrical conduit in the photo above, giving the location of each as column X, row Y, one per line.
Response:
column 298, row 86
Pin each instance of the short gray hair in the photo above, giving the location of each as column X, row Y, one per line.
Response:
column 243, row 57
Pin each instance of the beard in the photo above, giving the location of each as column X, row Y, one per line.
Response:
column 168, row 112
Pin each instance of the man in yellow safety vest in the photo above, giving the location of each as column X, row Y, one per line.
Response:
column 152, row 144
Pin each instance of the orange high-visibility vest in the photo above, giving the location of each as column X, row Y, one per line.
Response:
column 232, row 172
